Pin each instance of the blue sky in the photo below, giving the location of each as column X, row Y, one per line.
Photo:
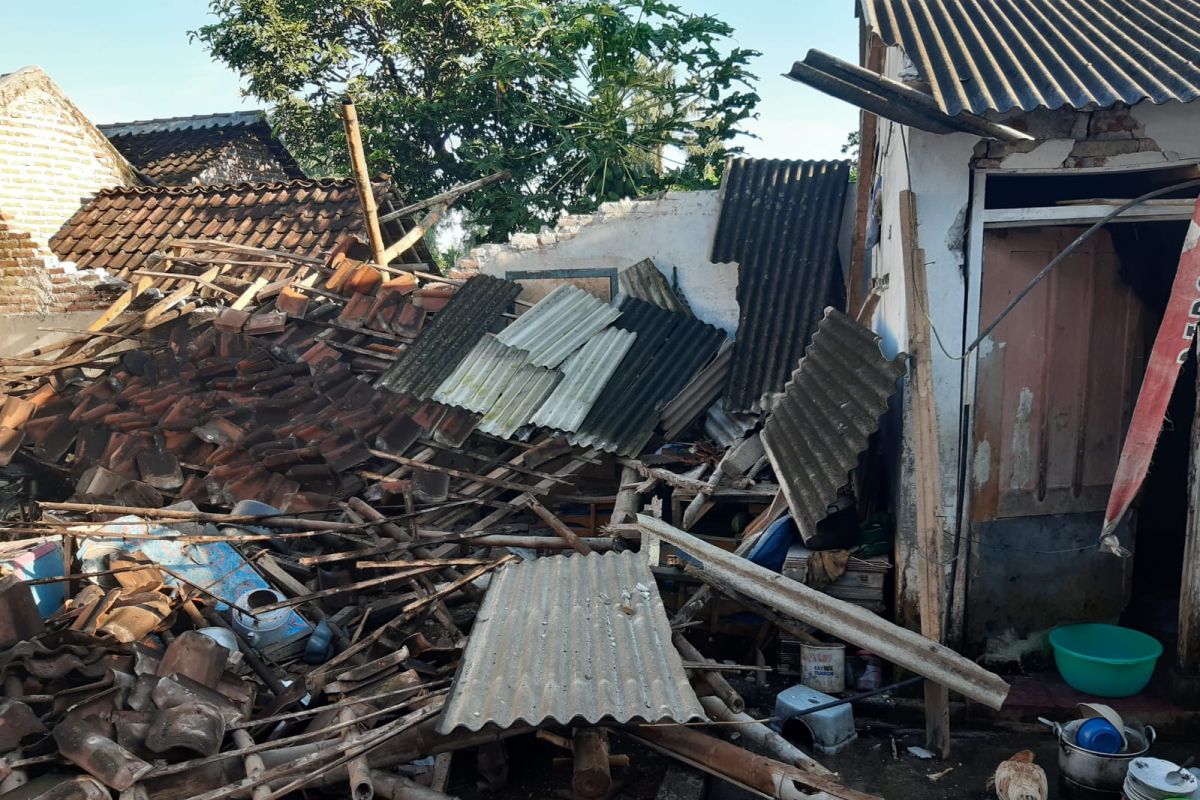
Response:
column 131, row 59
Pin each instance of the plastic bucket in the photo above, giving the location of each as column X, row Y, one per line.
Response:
column 1104, row 660
column 823, row 667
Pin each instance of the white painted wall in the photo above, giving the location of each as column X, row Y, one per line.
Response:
column 674, row 230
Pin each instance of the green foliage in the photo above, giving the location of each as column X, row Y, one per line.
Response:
column 584, row 100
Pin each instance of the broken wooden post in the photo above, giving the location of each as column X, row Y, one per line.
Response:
column 557, row 525
column 715, row 680
column 926, row 470
column 592, row 777
column 362, row 177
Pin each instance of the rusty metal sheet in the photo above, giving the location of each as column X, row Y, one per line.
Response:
column 1000, row 55
column 829, row 408
column 570, row 638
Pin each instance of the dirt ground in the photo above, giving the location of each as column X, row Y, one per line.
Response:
column 868, row 765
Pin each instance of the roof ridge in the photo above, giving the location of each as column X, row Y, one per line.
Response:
column 192, row 122
column 212, row 188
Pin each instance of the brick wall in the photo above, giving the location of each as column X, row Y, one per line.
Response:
column 52, row 160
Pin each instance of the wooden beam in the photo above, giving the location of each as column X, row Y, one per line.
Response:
column 447, row 197
column 415, row 235
column 558, row 526
column 362, row 177
column 926, row 469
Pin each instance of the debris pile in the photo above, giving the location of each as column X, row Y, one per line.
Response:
column 294, row 523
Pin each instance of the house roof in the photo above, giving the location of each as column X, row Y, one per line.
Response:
column 999, row 55
column 177, row 150
column 780, row 221
column 120, row 228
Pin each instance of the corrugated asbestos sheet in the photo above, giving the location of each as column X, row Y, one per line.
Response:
column 829, row 409
column 700, row 393
column 669, row 349
column 479, row 380
column 997, row 55
column 585, row 374
column 570, row 638
column 645, row 282
column 558, row 325
column 780, row 222
column 449, row 337
column 523, row 395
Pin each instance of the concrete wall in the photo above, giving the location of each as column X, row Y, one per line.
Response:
column 675, row 230
column 21, row 333
column 52, row 160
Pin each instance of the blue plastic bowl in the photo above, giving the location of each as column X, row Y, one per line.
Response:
column 1099, row 735
column 1104, row 660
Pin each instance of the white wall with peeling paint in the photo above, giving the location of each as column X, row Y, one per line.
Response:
column 675, row 230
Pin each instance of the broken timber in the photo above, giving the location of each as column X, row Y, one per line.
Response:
column 852, row 623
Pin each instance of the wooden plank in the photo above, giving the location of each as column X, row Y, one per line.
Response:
column 926, row 469
column 250, row 292
column 415, row 235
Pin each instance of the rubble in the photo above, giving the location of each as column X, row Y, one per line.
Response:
column 315, row 526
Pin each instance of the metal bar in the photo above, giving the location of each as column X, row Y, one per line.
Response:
column 849, row 622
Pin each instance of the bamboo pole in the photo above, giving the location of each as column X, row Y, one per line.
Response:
column 362, row 177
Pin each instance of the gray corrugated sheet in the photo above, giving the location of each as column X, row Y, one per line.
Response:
column 997, row 55
column 558, row 325
column 670, row 348
column 829, row 409
column 700, row 393
column 480, row 378
column 449, row 337
column 725, row 428
column 570, row 638
column 645, row 282
column 584, row 375
column 780, row 222
column 523, row 395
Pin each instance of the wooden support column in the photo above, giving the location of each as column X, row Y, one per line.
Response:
column 926, row 469
column 592, row 777
column 1189, row 592
column 362, row 177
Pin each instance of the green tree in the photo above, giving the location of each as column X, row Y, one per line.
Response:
column 584, row 100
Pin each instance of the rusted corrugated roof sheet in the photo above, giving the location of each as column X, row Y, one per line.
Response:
column 780, row 222
column 1005, row 54
column 585, row 374
column 699, row 394
column 645, row 282
column 830, row 407
column 480, row 378
column 570, row 638
column 524, row 394
column 558, row 325
column 450, row 337
column 670, row 349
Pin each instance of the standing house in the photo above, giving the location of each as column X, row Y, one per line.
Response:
column 993, row 135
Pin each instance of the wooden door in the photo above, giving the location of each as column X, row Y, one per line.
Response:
column 1057, row 379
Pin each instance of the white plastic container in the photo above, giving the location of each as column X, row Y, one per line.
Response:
column 823, row 667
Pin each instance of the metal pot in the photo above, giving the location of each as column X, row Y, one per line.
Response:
column 1100, row 771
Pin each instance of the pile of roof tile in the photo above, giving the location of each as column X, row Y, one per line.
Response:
column 288, row 483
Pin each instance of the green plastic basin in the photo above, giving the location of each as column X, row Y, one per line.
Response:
column 1104, row 660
